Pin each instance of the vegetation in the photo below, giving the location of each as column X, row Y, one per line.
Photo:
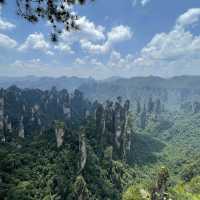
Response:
column 58, row 13
column 88, row 150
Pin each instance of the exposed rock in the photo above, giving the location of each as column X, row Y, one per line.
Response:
column 21, row 128
column 80, row 189
column 59, row 132
column 67, row 111
column 112, row 124
column 2, row 137
column 82, row 150
column 100, row 121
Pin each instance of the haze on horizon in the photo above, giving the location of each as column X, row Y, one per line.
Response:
column 137, row 38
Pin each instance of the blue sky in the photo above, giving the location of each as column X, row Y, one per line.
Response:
column 117, row 38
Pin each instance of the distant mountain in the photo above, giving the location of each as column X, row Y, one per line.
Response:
column 172, row 91
column 45, row 83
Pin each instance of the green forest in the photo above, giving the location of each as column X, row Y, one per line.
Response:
column 58, row 146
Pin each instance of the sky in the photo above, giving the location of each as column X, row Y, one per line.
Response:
column 124, row 38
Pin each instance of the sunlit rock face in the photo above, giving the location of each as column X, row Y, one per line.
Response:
column 82, row 150
column 112, row 125
column 30, row 112
column 59, row 133
column 118, row 124
column 100, row 121
column 21, row 128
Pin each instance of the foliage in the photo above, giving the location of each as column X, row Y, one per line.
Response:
column 58, row 13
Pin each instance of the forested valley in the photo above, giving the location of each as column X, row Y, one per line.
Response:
column 60, row 145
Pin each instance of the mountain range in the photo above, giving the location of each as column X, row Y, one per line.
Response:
column 172, row 91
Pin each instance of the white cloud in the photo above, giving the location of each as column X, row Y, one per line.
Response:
column 141, row 2
column 7, row 42
column 4, row 24
column 89, row 61
column 190, row 17
column 119, row 33
column 176, row 52
column 173, row 53
column 116, row 35
column 80, row 61
column 88, row 30
column 93, row 38
column 117, row 61
column 144, row 2
column 64, row 47
column 36, row 41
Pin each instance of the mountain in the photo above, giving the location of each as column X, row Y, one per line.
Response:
column 172, row 91
column 56, row 145
column 61, row 146
column 45, row 83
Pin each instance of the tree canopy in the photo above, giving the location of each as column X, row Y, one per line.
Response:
column 58, row 13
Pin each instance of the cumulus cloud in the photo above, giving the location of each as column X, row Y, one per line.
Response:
column 4, row 24
column 88, row 30
column 95, row 39
column 7, row 42
column 89, row 61
column 64, row 47
column 116, row 35
column 36, row 41
column 175, row 52
column 117, row 61
column 190, row 17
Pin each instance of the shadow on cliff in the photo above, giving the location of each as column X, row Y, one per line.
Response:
column 145, row 150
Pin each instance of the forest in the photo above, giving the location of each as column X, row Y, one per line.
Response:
column 59, row 145
column 99, row 100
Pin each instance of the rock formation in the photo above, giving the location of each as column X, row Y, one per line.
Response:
column 59, row 133
column 112, row 124
column 82, row 150
column 2, row 136
column 21, row 128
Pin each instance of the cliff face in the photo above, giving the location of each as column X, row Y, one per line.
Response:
column 24, row 113
column 27, row 112
column 2, row 138
column 112, row 125
column 85, row 137
column 59, row 133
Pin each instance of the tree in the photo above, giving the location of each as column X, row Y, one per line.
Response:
column 58, row 13
column 160, row 191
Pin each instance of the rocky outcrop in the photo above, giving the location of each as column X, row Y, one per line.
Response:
column 33, row 111
column 160, row 191
column 82, row 150
column 59, row 133
column 80, row 189
column 2, row 136
column 40, row 109
column 21, row 128
column 112, row 124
